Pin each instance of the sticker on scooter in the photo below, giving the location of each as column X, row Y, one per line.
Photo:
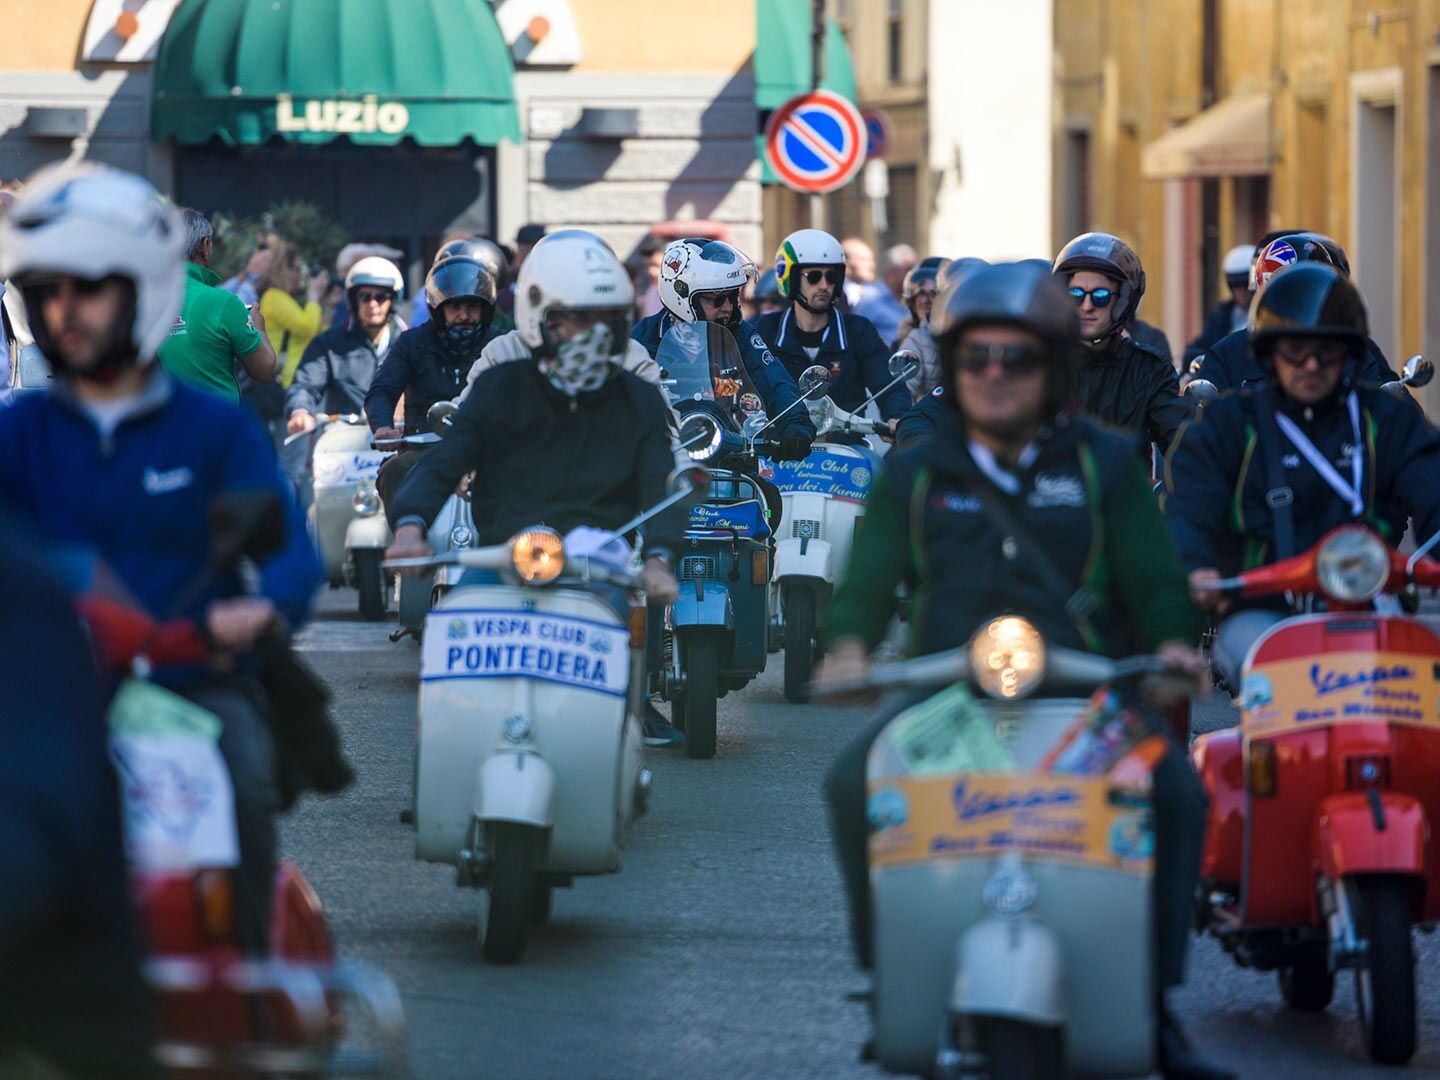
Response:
column 509, row 644
column 336, row 468
column 1340, row 688
column 825, row 472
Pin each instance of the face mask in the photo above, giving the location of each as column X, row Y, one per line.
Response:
column 581, row 364
column 462, row 341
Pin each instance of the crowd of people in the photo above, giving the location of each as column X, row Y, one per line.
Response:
column 1025, row 450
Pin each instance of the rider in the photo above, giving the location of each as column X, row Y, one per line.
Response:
column 338, row 366
column 767, row 294
column 474, row 247
column 429, row 363
column 918, row 293
column 119, row 458
column 810, row 270
column 935, row 519
column 1261, row 474
column 1230, row 363
column 1231, row 313
column 920, row 419
column 1123, row 381
column 701, row 280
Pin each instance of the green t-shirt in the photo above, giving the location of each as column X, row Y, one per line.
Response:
column 212, row 329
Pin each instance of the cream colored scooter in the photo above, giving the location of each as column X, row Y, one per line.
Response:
column 529, row 768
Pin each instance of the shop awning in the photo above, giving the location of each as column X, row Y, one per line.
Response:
column 310, row 71
column 782, row 60
column 1231, row 138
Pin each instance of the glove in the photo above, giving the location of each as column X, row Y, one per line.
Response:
column 792, row 448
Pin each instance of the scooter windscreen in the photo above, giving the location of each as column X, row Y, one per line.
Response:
column 700, row 361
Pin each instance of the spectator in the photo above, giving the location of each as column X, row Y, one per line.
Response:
column 290, row 326
column 859, row 269
column 246, row 284
column 525, row 238
column 882, row 303
column 651, row 251
column 213, row 329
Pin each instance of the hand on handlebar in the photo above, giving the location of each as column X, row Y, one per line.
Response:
column 386, row 434
column 409, row 543
column 1204, row 596
column 847, row 661
column 299, row 421
column 235, row 625
column 1182, row 658
column 791, row 448
column 659, row 582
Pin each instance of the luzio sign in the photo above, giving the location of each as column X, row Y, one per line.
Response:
column 342, row 117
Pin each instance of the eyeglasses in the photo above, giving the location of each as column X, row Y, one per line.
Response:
column 1100, row 297
column 814, row 277
column 48, row 288
column 730, row 297
column 374, row 297
column 1297, row 351
column 1014, row 361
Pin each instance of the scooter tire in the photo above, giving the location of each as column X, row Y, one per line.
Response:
column 799, row 642
column 370, row 581
column 543, row 905
column 1385, row 986
column 511, row 888
column 1018, row 1051
column 695, row 711
column 1308, row 985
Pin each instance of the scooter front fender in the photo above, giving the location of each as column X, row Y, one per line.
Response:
column 518, row 786
column 367, row 532
column 711, row 607
column 816, row 560
column 1009, row 968
column 1349, row 839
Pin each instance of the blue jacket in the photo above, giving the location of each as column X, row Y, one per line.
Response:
column 140, row 498
column 773, row 383
column 851, row 348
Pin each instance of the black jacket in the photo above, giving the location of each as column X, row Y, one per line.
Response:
column 1219, row 323
column 1129, row 385
column 920, row 420
column 336, row 371
column 421, row 368
column 1216, row 482
column 538, row 460
column 1230, row 364
column 1153, row 338
column 851, row 348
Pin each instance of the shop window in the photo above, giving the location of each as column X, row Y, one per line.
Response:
column 903, row 208
column 895, row 40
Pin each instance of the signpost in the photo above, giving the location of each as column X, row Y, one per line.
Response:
column 815, row 142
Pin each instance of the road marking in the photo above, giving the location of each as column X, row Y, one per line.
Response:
column 347, row 637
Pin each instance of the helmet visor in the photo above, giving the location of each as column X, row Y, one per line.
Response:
column 456, row 278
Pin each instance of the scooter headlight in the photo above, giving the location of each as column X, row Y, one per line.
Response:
column 1353, row 565
column 1007, row 657
column 461, row 536
column 538, row 555
column 700, row 436
column 366, row 499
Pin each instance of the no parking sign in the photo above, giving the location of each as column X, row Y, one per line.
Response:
column 815, row 142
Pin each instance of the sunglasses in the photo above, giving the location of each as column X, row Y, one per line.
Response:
column 1100, row 297
column 1297, row 352
column 814, row 277
column 373, row 297
column 1013, row 361
column 49, row 288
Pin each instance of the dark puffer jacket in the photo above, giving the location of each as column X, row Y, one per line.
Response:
column 1128, row 385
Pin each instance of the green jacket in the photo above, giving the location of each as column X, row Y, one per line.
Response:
column 211, row 331
column 1084, row 499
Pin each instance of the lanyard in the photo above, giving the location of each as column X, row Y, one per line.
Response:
column 1349, row 492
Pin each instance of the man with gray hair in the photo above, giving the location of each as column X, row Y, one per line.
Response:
column 214, row 329
column 882, row 303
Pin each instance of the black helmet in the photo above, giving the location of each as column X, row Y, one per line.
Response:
column 475, row 247
column 1111, row 256
column 768, row 288
column 1311, row 299
column 460, row 277
column 955, row 271
column 1334, row 250
column 1013, row 294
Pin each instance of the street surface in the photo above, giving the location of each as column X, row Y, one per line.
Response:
column 721, row 948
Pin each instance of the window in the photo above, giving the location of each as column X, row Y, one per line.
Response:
column 1374, row 209
column 895, row 40
column 1077, row 184
column 903, row 207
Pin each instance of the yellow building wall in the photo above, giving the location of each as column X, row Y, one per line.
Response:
column 663, row 37
column 41, row 35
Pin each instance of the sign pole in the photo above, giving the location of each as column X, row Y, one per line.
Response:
column 817, row 72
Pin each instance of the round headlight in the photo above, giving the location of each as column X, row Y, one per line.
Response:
column 538, row 555
column 366, row 500
column 822, row 410
column 1007, row 656
column 1352, row 565
column 700, row 435
column 461, row 536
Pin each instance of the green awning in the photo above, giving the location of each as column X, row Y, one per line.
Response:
column 782, row 61
column 310, row 71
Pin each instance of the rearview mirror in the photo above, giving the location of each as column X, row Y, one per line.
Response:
column 248, row 523
column 1418, row 371
column 754, row 424
column 904, row 365
column 441, row 416
column 814, row 380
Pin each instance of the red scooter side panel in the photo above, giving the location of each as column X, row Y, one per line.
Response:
column 1348, row 842
column 1279, row 879
column 1415, row 768
column 1220, row 764
column 298, row 928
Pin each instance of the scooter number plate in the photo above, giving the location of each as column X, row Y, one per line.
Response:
column 509, row 644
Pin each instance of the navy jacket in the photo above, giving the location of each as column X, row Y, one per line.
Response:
column 1216, row 483
column 851, row 348
column 336, row 371
column 140, row 498
column 921, row 419
column 773, row 383
column 1219, row 323
column 1230, row 364
column 424, row 371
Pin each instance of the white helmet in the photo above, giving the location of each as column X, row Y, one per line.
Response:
column 806, row 247
column 570, row 270
column 92, row 222
column 695, row 266
column 376, row 272
column 1236, row 264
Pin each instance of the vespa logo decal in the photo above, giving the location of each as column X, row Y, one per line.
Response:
column 341, row 117
column 981, row 804
column 1327, row 682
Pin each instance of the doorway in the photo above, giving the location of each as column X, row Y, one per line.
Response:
column 1375, row 201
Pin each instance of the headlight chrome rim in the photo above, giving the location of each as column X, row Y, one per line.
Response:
column 366, row 500
column 1352, row 565
column 1007, row 657
column 689, row 429
column 538, row 555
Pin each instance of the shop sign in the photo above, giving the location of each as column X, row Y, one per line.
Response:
column 341, row 116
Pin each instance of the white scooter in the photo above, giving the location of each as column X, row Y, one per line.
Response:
column 1011, row 852
column 345, row 517
column 529, row 766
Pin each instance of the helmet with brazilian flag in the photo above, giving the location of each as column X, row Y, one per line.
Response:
column 802, row 249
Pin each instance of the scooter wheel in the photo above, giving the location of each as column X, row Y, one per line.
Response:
column 1018, row 1051
column 511, row 908
column 799, row 642
column 1385, row 986
column 370, row 580
column 701, row 655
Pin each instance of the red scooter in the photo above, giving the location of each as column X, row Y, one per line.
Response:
column 218, row 1011
column 1321, row 850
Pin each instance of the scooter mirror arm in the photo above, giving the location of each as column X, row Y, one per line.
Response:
column 883, row 390
column 1420, row 553
column 664, row 504
column 937, row 669
column 771, row 422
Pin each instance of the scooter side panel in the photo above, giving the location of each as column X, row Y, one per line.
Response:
column 1348, row 841
column 1219, row 761
column 331, row 515
column 367, row 532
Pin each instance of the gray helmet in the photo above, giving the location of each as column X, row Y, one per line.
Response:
column 1111, row 256
column 1020, row 295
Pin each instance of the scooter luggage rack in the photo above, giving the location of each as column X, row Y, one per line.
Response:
column 310, row 992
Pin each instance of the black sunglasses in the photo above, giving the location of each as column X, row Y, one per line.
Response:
column 47, row 288
column 1100, row 297
column 1298, row 351
column 1014, row 361
column 374, row 296
column 814, row 277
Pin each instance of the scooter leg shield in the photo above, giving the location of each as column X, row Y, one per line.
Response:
column 795, row 558
column 516, row 786
column 1009, row 968
column 713, row 608
column 368, row 532
column 1350, row 839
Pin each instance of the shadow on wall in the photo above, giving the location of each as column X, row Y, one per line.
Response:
column 116, row 131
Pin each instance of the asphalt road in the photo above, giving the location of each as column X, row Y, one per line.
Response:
column 720, row 950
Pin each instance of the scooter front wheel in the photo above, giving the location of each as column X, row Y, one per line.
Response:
column 695, row 711
column 370, row 581
column 1014, row 1050
column 510, row 911
column 799, row 642
column 1385, row 986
